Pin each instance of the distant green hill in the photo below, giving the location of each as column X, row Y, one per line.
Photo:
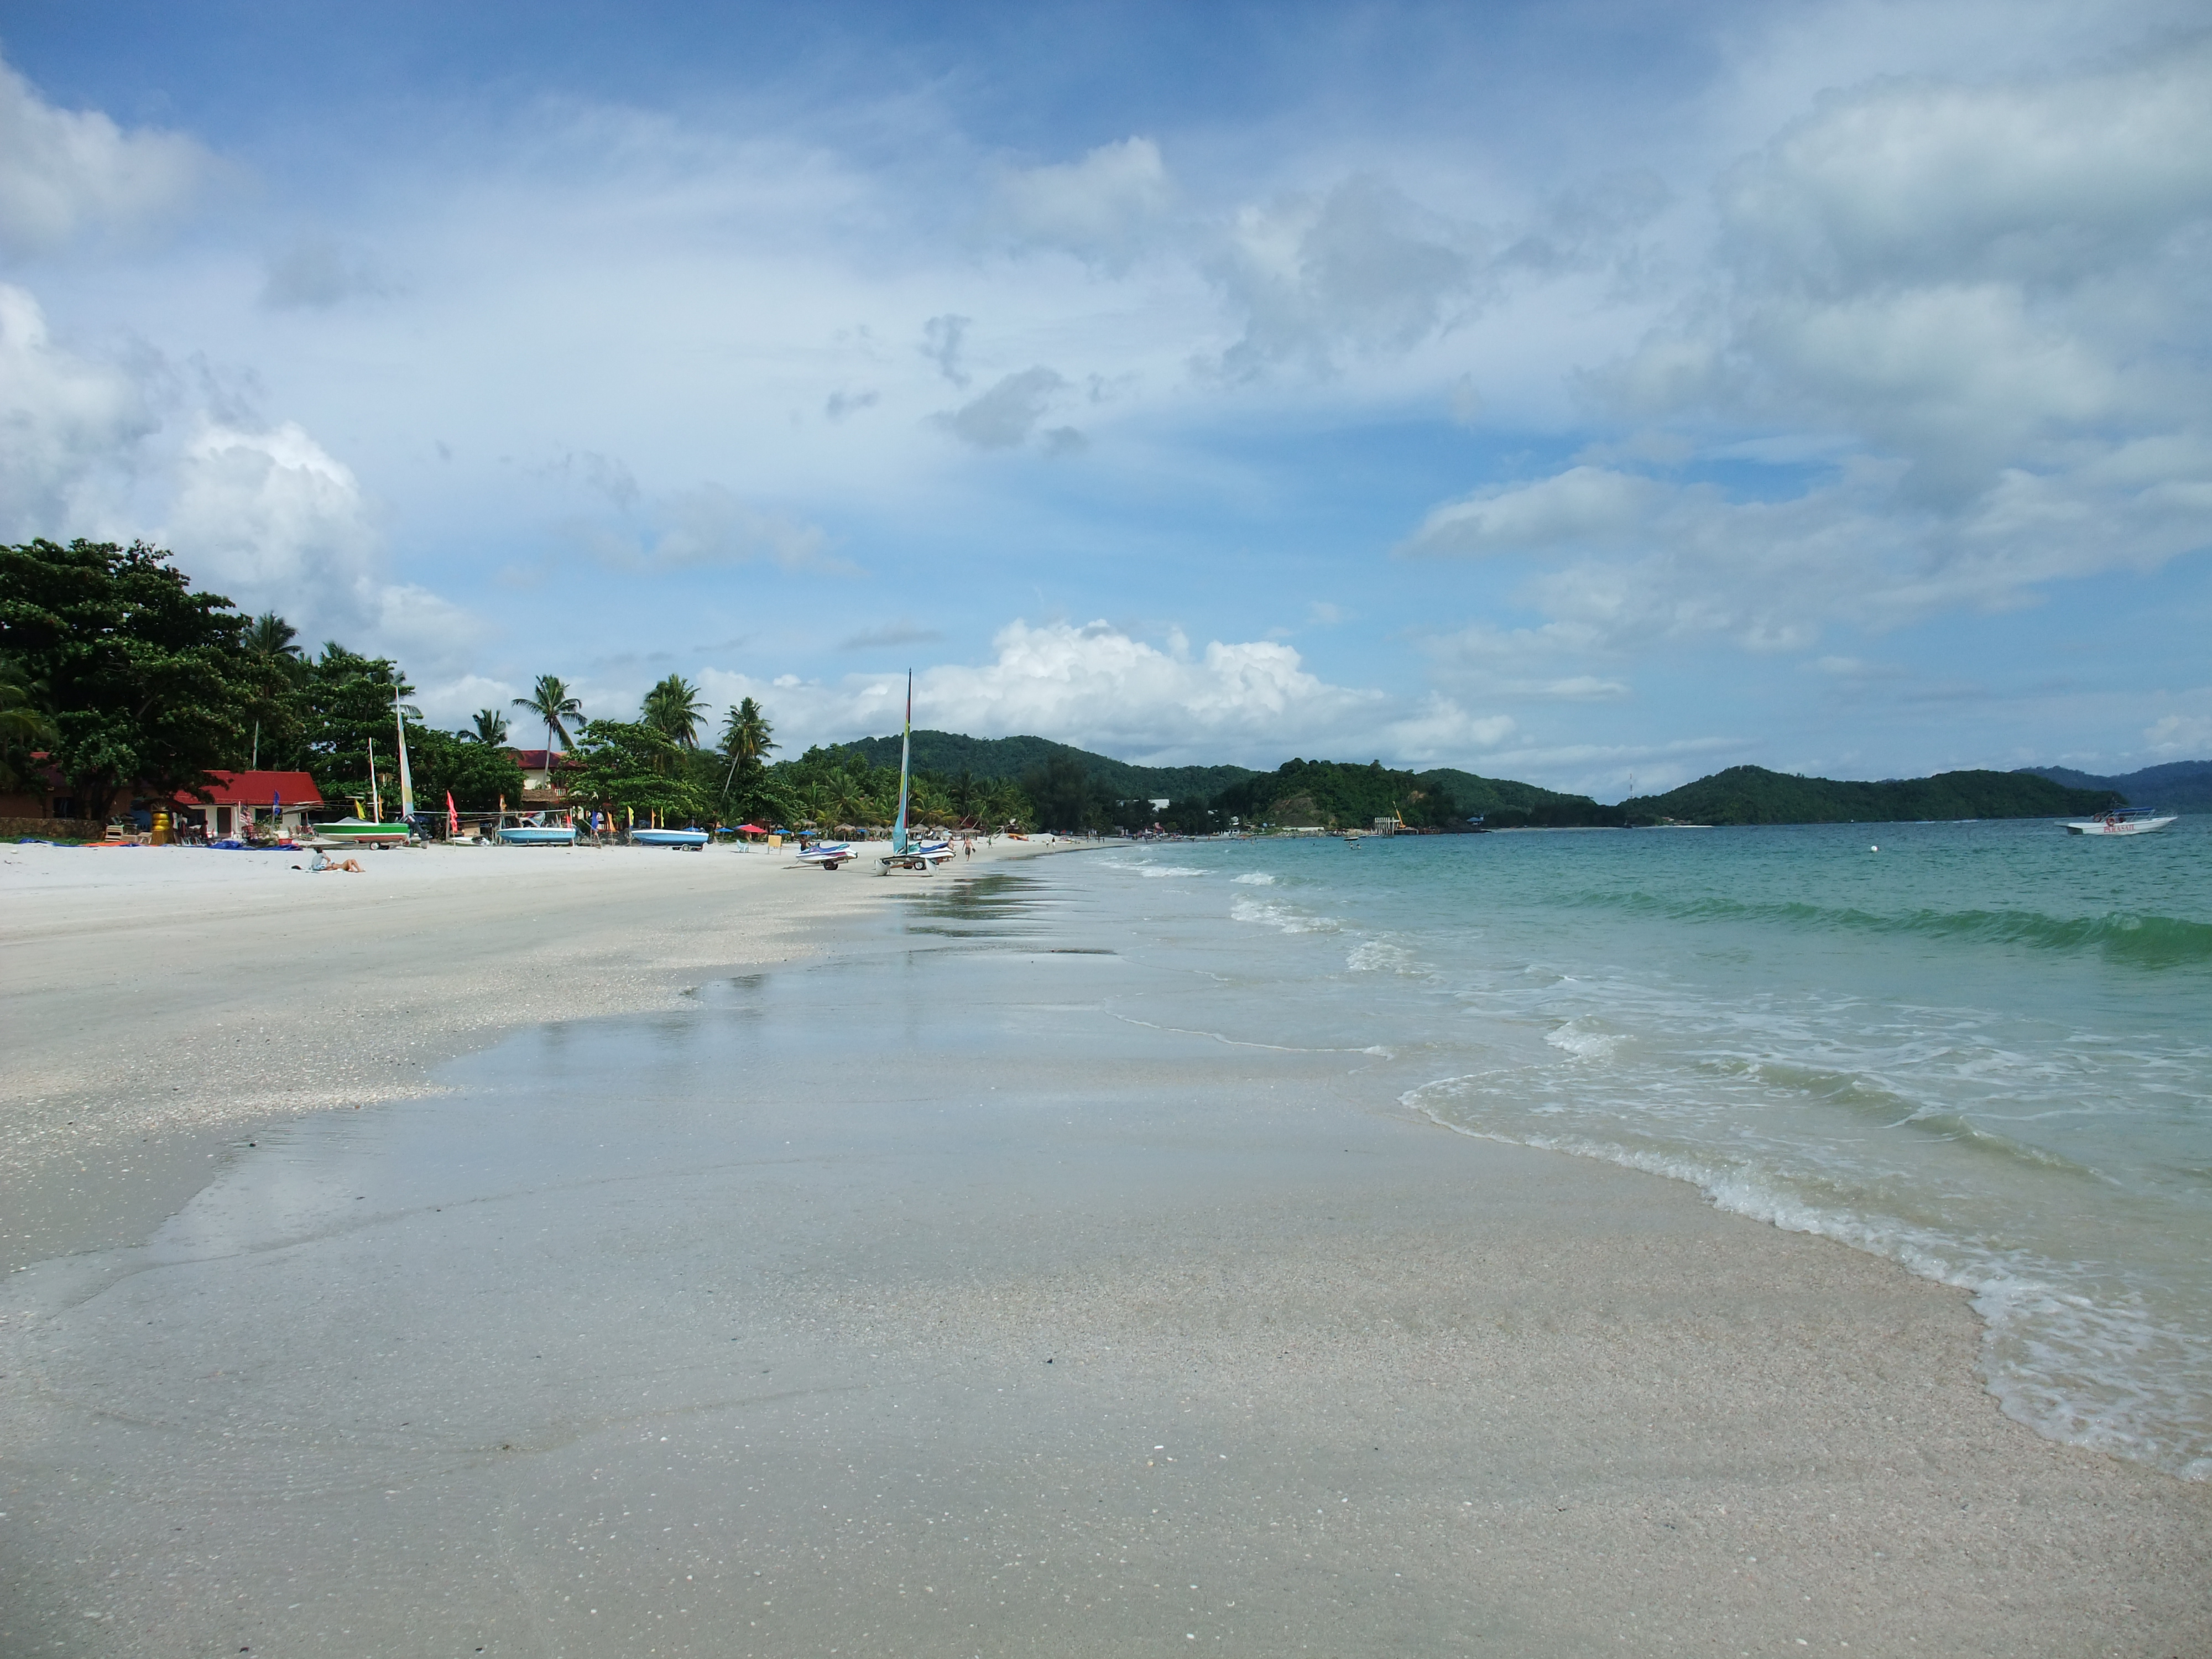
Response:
column 1503, row 804
column 949, row 753
column 1336, row 794
column 1752, row 794
column 2177, row 786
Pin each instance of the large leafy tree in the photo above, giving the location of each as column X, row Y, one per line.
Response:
column 478, row 775
column 149, row 681
column 345, row 703
column 629, row 765
column 27, row 725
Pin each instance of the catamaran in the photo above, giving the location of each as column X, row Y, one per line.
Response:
column 372, row 830
column 907, row 853
column 2123, row 821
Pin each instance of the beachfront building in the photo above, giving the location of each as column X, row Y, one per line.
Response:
column 234, row 799
column 545, row 773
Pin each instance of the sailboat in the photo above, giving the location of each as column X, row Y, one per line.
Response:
column 373, row 831
column 906, row 852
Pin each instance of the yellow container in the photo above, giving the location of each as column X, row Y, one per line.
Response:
column 161, row 835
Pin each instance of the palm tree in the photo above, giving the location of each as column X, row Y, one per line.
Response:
column 271, row 637
column 491, row 728
column 551, row 701
column 26, row 728
column 746, row 741
column 674, row 708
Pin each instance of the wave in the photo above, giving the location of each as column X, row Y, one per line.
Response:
column 1254, row 878
column 2121, row 936
column 1280, row 916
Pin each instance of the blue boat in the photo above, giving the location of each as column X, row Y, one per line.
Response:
column 538, row 830
column 694, row 839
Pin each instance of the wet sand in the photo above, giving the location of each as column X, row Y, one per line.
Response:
column 894, row 1302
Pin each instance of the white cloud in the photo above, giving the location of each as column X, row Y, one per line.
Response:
column 2180, row 737
column 1360, row 269
column 65, row 175
column 67, row 426
column 1105, row 208
column 1100, row 687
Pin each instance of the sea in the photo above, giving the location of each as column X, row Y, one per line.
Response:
column 1981, row 1049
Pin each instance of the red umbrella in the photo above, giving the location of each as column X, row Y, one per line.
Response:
column 750, row 829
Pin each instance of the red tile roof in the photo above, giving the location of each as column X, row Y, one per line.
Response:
column 258, row 789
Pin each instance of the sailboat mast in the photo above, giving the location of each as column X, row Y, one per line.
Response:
column 406, row 782
column 375, row 800
column 906, row 754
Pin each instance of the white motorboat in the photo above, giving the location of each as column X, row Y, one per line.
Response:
column 2123, row 821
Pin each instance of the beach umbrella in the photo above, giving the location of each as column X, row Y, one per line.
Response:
column 750, row 829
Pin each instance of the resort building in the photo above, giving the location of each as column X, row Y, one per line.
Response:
column 545, row 773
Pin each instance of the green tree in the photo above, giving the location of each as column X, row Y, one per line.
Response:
column 150, row 682
column 345, row 702
column 490, row 729
column 477, row 774
column 1065, row 798
column 26, row 725
column 674, row 708
column 627, row 765
column 748, row 739
column 551, row 701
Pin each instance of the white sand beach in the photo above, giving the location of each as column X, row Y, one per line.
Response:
column 951, row 1325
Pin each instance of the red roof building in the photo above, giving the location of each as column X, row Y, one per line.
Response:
column 234, row 800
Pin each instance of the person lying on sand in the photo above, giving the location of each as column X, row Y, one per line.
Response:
column 323, row 861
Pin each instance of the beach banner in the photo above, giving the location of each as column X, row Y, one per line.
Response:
column 452, row 817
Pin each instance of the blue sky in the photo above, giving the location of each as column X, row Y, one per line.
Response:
column 1577, row 393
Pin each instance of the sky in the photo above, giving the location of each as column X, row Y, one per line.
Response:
column 1594, row 393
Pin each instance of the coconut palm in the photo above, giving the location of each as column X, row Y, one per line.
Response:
column 271, row 637
column 747, row 737
column 674, row 708
column 490, row 728
column 551, row 701
column 26, row 728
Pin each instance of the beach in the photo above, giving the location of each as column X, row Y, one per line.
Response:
column 637, row 1252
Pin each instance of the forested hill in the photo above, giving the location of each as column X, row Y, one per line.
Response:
column 949, row 754
column 1752, row 794
column 1341, row 795
column 2178, row 786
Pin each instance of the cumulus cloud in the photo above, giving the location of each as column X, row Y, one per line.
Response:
column 1965, row 306
column 1105, row 208
column 1005, row 416
column 1098, row 687
column 67, row 427
column 66, row 175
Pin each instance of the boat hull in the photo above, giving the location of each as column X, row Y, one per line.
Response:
column 537, row 835
column 694, row 839
column 355, row 833
column 2116, row 826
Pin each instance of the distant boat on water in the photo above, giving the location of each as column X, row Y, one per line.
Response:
column 2123, row 821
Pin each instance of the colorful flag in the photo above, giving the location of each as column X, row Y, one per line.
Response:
column 452, row 817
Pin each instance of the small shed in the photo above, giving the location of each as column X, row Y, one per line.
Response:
column 278, row 800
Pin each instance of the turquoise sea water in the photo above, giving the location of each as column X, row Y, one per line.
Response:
column 1984, row 1050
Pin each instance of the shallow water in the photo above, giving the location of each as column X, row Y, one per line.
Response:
column 1982, row 1049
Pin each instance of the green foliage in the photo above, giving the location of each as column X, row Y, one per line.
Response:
column 748, row 739
column 2174, row 785
column 1335, row 794
column 343, row 704
column 553, row 705
column 1752, row 794
column 479, row 774
column 627, row 765
column 948, row 754
column 674, row 708
column 1066, row 796
column 488, row 726
column 27, row 725
column 1503, row 804
column 149, row 681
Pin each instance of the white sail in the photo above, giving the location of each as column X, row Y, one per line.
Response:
column 406, row 781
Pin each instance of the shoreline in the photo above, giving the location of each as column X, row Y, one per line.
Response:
column 1448, row 1396
column 252, row 994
